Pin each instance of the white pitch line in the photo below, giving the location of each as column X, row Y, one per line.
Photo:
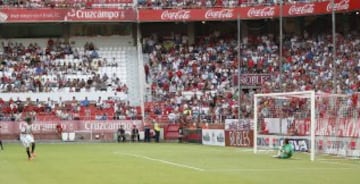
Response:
column 341, row 158
column 271, row 170
column 340, row 163
column 244, row 150
column 164, row 162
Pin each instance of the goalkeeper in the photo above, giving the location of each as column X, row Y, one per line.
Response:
column 285, row 151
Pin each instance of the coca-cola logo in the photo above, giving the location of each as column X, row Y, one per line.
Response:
column 342, row 5
column 301, row 10
column 175, row 15
column 219, row 14
column 96, row 14
column 3, row 17
column 262, row 12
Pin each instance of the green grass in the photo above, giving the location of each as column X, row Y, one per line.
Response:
column 166, row 163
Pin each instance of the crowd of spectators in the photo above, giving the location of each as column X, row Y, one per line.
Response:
column 156, row 4
column 34, row 69
column 187, row 81
column 195, row 81
column 111, row 108
column 30, row 68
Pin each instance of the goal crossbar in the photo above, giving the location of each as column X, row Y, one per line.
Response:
column 285, row 93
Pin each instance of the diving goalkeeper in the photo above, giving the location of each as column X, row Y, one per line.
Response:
column 285, row 151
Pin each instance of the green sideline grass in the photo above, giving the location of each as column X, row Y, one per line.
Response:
column 166, row 163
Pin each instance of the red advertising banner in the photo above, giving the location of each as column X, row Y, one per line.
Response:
column 340, row 127
column 32, row 15
column 239, row 133
column 103, row 14
column 59, row 15
column 45, row 127
column 171, row 131
column 239, row 138
column 172, row 15
column 257, row 12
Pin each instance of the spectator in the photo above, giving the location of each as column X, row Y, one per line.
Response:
column 135, row 136
column 157, row 130
column 85, row 102
column 121, row 134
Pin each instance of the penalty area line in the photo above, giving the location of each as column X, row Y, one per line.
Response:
column 164, row 161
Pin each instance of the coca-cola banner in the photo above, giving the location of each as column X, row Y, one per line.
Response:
column 61, row 15
column 320, row 8
column 257, row 12
column 173, row 15
column 45, row 127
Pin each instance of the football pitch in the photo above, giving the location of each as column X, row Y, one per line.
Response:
column 166, row 163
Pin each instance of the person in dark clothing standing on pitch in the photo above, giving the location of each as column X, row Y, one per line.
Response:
column 135, row 134
column 121, row 134
column 1, row 144
column 147, row 133
column 181, row 133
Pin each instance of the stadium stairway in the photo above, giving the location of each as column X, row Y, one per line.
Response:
column 132, row 77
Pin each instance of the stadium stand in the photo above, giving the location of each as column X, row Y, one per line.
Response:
column 191, row 80
column 196, row 79
column 52, row 67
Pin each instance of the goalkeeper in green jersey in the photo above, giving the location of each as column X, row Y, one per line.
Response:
column 285, row 151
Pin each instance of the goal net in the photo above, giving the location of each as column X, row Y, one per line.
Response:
column 318, row 123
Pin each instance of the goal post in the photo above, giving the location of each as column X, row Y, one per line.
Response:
column 274, row 101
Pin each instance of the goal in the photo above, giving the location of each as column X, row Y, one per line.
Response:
column 318, row 123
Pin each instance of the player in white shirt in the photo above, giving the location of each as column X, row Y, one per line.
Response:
column 27, row 138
